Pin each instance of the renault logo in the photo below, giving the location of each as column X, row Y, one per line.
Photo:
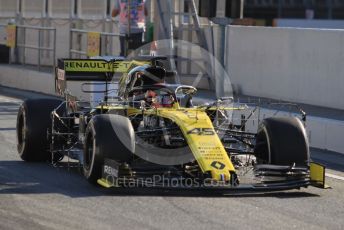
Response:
column 217, row 165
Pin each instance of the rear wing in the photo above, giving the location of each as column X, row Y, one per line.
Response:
column 94, row 70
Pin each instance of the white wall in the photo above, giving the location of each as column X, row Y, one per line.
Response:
column 22, row 78
column 299, row 65
column 42, row 82
column 33, row 8
column 92, row 9
column 60, row 9
column 8, row 8
column 326, row 133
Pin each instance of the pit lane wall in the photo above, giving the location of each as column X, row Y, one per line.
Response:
column 292, row 64
column 19, row 77
column 298, row 65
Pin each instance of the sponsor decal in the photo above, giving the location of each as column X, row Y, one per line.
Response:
column 11, row 36
column 93, row 44
column 100, row 66
column 110, row 171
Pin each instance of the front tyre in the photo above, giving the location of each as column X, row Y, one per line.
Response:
column 107, row 136
column 282, row 141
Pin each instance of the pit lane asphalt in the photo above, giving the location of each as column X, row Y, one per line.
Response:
column 39, row 196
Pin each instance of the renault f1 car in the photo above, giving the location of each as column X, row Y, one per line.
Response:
column 149, row 133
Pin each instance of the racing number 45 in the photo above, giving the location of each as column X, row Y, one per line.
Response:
column 202, row 131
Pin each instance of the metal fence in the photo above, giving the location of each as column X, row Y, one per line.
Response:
column 18, row 53
column 105, row 46
column 40, row 47
column 42, row 40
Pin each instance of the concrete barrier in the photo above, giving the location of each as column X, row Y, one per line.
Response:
column 298, row 65
column 326, row 134
column 23, row 78
column 32, row 80
column 8, row 8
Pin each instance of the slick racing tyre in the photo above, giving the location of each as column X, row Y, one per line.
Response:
column 33, row 122
column 107, row 136
column 282, row 141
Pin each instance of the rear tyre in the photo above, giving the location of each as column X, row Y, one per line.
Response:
column 33, row 122
column 282, row 141
column 107, row 136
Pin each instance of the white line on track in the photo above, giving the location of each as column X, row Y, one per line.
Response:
column 334, row 176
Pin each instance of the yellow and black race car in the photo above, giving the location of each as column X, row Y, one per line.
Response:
column 149, row 133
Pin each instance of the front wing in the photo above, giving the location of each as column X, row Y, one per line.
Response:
column 271, row 178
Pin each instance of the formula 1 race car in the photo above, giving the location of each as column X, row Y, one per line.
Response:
column 147, row 132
